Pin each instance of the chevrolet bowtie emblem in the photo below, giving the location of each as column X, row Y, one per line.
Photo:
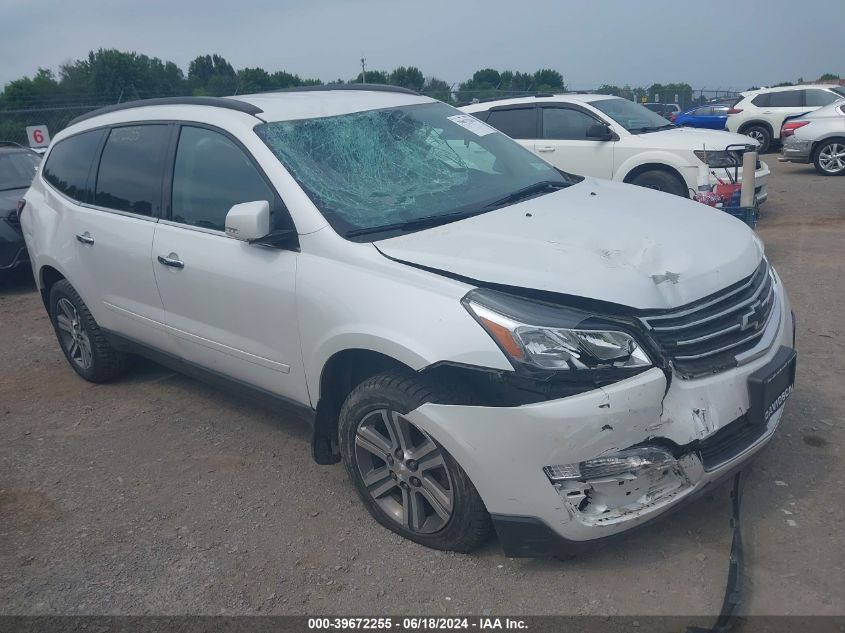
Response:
column 752, row 318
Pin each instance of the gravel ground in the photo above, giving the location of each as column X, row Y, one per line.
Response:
column 158, row 495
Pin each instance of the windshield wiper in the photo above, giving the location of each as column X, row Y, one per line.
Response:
column 652, row 128
column 417, row 223
column 430, row 221
column 544, row 186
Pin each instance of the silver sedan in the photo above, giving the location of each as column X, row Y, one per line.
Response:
column 818, row 138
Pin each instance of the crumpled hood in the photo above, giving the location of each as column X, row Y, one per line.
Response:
column 599, row 240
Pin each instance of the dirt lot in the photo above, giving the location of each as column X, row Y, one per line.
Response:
column 157, row 494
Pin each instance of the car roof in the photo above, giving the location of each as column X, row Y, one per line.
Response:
column 556, row 98
column 292, row 104
column 749, row 93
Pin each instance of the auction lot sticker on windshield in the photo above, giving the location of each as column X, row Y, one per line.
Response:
column 477, row 127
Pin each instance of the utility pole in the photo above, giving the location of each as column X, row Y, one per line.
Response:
column 363, row 70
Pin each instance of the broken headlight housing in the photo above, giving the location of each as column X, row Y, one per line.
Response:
column 543, row 336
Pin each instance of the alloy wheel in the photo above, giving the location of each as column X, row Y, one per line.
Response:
column 73, row 337
column 404, row 471
column 832, row 158
column 757, row 135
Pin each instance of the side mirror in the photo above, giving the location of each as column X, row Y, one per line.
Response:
column 248, row 221
column 600, row 132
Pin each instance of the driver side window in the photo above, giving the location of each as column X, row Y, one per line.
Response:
column 210, row 175
column 566, row 124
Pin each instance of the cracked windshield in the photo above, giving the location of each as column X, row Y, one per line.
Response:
column 383, row 172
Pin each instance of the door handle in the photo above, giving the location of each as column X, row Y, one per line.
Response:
column 171, row 260
column 84, row 238
column 545, row 148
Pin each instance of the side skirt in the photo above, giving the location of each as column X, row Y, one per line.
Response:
column 233, row 386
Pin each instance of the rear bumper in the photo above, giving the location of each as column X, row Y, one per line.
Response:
column 796, row 151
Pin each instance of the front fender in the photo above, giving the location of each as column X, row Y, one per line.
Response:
column 685, row 169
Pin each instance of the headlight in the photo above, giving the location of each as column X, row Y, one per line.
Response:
column 553, row 338
column 718, row 159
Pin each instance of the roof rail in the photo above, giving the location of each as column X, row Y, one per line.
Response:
column 524, row 95
column 369, row 87
column 216, row 102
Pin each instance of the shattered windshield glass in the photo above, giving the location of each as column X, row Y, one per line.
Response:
column 385, row 170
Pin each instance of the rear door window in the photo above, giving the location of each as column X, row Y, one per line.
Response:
column 785, row 99
column 129, row 177
column 515, row 122
column 211, row 174
column 69, row 164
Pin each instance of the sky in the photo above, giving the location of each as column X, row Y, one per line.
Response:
column 717, row 44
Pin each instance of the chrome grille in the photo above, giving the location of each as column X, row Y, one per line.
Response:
column 706, row 336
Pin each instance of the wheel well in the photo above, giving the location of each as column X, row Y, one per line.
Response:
column 749, row 124
column 341, row 374
column 641, row 169
column 49, row 276
column 818, row 144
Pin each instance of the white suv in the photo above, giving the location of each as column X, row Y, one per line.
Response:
column 760, row 113
column 609, row 137
column 482, row 339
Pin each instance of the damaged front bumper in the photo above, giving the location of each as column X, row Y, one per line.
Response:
column 559, row 475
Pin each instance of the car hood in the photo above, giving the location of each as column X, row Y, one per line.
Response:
column 689, row 138
column 598, row 240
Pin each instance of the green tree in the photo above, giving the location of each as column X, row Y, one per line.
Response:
column 546, row 80
column 212, row 75
column 409, row 77
column 609, row 89
column 373, row 77
column 437, row 89
column 829, row 77
column 254, row 80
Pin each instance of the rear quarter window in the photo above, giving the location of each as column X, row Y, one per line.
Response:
column 69, row 164
column 515, row 122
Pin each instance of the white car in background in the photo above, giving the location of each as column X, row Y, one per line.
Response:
column 609, row 137
column 761, row 113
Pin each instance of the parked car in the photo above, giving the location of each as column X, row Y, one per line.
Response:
column 818, row 138
column 613, row 138
column 712, row 117
column 17, row 169
column 760, row 113
column 666, row 110
column 480, row 338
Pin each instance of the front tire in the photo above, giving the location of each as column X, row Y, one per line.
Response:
column 661, row 181
column 409, row 483
column 81, row 339
column 829, row 157
column 761, row 135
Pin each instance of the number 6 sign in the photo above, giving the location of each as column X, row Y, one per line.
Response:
column 37, row 135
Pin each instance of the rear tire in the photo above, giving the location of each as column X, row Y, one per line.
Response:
column 829, row 157
column 81, row 339
column 661, row 181
column 406, row 479
column 761, row 135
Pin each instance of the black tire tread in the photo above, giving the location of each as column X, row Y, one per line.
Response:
column 108, row 362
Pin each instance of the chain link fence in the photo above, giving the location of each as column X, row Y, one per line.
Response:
column 13, row 122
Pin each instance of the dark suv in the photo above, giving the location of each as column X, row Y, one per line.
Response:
column 18, row 165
